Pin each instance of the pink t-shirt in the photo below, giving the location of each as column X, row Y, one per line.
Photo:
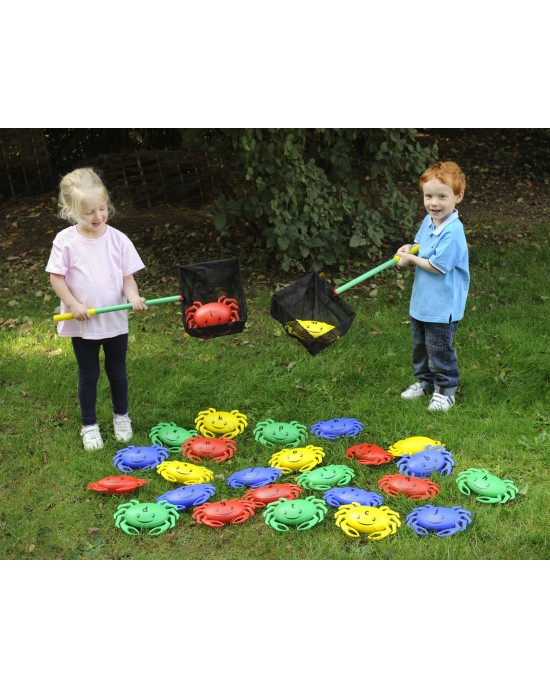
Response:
column 94, row 270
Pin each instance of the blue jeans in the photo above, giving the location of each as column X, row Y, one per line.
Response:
column 87, row 357
column 434, row 357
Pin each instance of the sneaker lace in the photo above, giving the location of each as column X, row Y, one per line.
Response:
column 123, row 423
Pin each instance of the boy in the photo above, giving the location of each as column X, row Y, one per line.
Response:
column 440, row 286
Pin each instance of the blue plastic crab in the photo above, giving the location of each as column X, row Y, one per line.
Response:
column 134, row 458
column 258, row 476
column 188, row 495
column 336, row 427
column 337, row 496
column 430, row 460
column 443, row 520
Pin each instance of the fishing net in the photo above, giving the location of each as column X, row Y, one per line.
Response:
column 312, row 313
column 213, row 300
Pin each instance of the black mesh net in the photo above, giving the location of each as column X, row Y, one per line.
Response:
column 204, row 284
column 312, row 313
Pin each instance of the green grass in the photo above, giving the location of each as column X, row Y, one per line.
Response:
column 501, row 421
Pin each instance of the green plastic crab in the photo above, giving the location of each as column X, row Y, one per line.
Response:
column 486, row 486
column 301, row 514
column 271, row 433
column 171, row 436
column 154, row 517
column 326, row 477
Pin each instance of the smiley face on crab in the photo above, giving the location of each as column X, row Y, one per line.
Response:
column 212, row 423
column 369, row 454
column 297, row 459
column 444, row 521
column 430, row 460
column 489, row 488
column 171, row 436
column 216, row 449
column 336, row 427
column 134, row 517
column 327, row 476
column 306, row 329
column 301, row 514
column 229, row 511
column 266, row 494
column 337, row 496
column 185, row 473
column 117, row 484
column 188, row 495
column 219, row 312
column 377, row 522
column 271, row 433
column 412, row 445
column 411, row 487
column 133, row 458
column 257, row 476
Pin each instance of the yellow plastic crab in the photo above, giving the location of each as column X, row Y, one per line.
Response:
column 212, row 423
column 412, row 445
column 378, row 522
column 297, row 459
column 185, row 473
column 314, row 328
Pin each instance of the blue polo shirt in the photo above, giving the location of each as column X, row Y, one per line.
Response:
column 441, row 298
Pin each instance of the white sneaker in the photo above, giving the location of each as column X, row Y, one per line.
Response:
column 123, row 428
column 91, row 437
column 414, row 391
column 439, row 402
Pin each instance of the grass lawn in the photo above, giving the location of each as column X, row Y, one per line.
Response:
column 501, row 421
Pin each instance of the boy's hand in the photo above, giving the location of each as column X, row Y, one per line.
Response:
column 405, row 258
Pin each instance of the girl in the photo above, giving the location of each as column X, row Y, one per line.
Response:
column 92, row 265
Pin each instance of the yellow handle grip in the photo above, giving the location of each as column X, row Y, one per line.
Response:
column 70, row 316
column 414, row 251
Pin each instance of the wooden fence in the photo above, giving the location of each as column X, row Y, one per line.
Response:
column 146, row 178
column 24, row 163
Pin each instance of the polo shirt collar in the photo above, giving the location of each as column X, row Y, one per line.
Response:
column 436, row 231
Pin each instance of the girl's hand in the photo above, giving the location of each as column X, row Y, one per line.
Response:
column 80, row 311
column 139, row 304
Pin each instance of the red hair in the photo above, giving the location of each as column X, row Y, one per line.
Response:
column 447, row 173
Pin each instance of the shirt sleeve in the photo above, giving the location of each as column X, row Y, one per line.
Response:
column 446, row 254
column 131, row 261
column 56, row 262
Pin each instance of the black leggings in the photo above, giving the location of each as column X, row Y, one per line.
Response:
column 87, row 357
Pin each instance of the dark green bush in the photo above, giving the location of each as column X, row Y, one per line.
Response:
column 311, row 196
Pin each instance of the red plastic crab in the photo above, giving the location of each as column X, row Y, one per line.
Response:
column 218, row 514
column 410, row 486
column 369, row 454
column 218, row 312
column 117, row 484
column 217, row 449
column 264, row 495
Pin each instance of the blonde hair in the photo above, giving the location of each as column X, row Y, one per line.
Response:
column 79, row 185
column 448, row 173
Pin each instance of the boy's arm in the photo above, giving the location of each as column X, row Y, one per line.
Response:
column 79, row 310
column 407, row 259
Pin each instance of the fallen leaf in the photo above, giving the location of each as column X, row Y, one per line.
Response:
column 55, row 352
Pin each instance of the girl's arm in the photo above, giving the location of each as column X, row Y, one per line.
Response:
column 79, row 310
column 131, row 292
